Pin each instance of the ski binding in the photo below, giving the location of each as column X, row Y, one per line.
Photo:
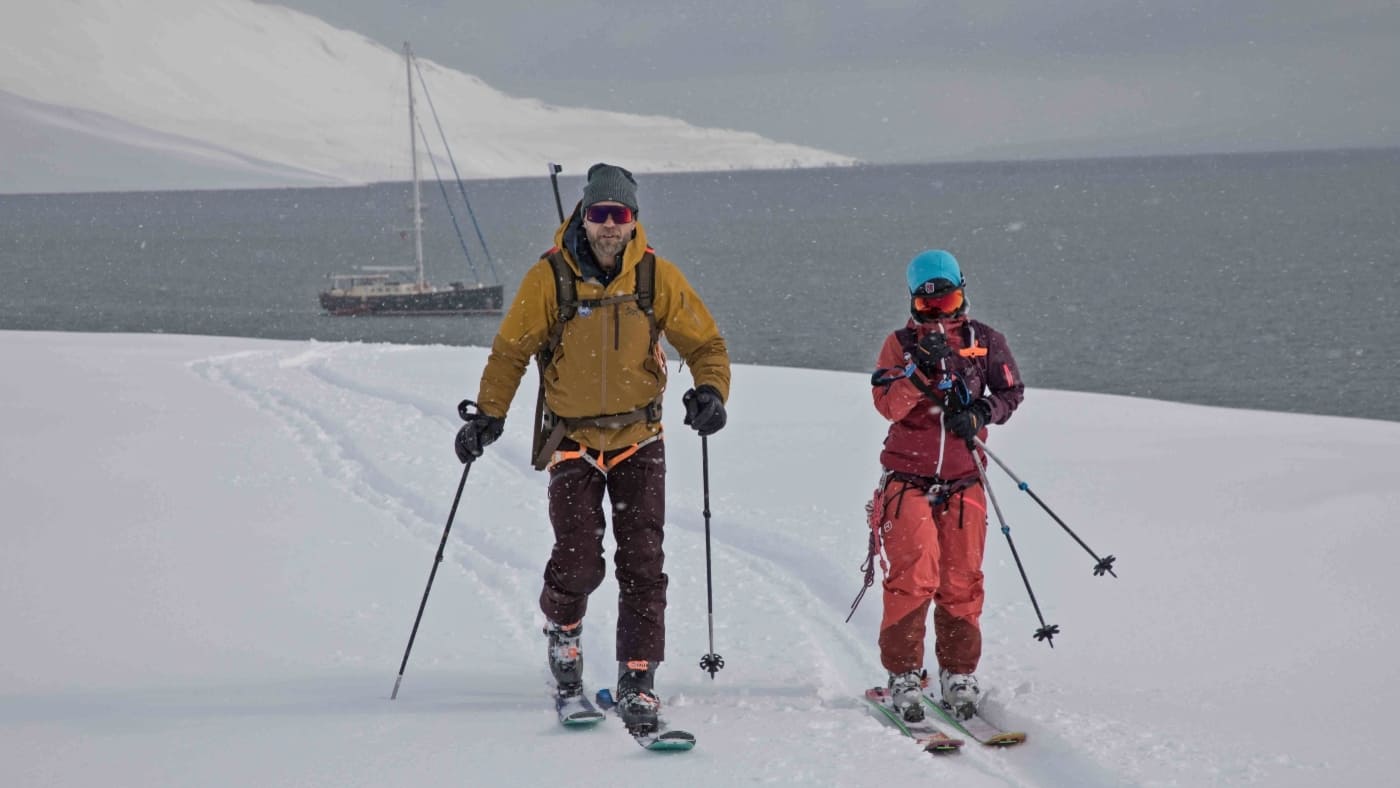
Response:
column 658, row 740
column 925, row 733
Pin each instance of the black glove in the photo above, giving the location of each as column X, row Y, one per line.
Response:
column 932, row 349
column 966, row 422
column 704, row 410
column 479, row 432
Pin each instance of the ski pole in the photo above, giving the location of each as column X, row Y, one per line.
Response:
column 711, row 661
column 554, row 170
column 1047, row 632
column 464, row 410
column 1103, row 564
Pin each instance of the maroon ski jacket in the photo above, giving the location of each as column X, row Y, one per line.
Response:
column 917, row 443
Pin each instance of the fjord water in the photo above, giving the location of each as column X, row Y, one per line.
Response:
column 1268, row 281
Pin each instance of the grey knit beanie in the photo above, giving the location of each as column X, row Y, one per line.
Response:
column 610, row 183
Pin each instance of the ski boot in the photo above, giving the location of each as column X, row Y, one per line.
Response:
column 637, row 703
column 960, row 693
column 565, row 658
column 905, row 689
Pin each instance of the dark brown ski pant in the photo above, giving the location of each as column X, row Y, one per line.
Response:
column 636, row 488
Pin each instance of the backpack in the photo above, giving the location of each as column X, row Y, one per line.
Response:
column 549, row 429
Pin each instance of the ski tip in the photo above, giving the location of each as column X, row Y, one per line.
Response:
column 575, row 711
column 666, row 746
column 940, row 743
column 667, row 741
column 976, row 726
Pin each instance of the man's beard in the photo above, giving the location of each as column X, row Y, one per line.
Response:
column 606, row 250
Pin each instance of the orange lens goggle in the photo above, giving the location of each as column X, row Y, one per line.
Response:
column 945, row 304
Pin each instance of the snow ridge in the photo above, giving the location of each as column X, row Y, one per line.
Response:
column 267, row 87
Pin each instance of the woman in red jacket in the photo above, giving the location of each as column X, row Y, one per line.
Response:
column 940, row 381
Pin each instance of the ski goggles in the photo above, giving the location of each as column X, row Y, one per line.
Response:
column 600, row 214
column 944, row 304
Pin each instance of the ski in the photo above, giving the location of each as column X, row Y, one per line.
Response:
column 576, row 710
column 667, row 740
column 977, row 726
column 661, row 740
column 928, row 735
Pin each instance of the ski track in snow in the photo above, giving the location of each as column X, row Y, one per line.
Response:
column 335, row 455
column 313, row 402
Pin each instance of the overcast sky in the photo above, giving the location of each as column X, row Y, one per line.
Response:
column 901, row 80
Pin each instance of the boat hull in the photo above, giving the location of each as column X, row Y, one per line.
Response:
column 483, row 300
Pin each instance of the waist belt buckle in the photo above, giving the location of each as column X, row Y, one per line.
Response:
column 653, row 411
column 937, row 491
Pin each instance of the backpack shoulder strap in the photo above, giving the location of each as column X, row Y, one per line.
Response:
column 565, row 284
column 974, row 351
column 908, row 339
column 547, row 428
column 566, row 295
column 646, row 291
column 646, row 281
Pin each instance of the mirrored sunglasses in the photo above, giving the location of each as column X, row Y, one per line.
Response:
column 599, row 214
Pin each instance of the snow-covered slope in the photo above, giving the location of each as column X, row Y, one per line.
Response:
column 290, row 96
column 212, row 549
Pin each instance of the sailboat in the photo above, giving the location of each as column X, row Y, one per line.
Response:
column 390, row 290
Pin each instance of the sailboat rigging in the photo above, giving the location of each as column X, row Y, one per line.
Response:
column 383, row 290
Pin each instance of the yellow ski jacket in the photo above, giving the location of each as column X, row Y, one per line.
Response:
column 603, row 365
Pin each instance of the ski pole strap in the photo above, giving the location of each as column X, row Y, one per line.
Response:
column 934, row 396
column 887, row 375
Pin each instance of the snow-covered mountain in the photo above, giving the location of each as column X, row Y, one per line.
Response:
column 148, row 93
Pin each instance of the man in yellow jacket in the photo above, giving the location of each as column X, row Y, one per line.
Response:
column 603, row 373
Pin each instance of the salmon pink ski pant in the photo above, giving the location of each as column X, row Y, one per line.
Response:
column 935, row 556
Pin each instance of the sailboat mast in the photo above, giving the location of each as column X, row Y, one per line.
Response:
column 413, row 156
